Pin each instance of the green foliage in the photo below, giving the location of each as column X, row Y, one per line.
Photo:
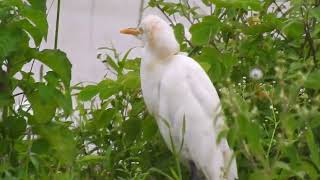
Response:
column 203, row 32
column 262, row 56
column 35, row 137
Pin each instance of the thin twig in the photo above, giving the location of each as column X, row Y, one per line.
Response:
column 57, row 25
column 165, row 14
column 31, row 68
column 279, row 9
column 50, row 7
column 310, row 40
column 141, row 9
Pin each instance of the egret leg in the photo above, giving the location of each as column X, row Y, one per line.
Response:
column 195, row 175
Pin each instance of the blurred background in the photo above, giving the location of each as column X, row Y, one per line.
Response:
column 86, row 25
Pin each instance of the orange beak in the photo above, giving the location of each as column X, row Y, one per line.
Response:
column 131, row 31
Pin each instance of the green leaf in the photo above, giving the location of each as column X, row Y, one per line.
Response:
column 293, row 29
column 149, row 127
column 44, row 100
column 5, row 98
column 282, row 165
column 88, row 93
column 220, row 64
column 111, row 63
column 47, row 94
column 216, row 71
column 310, row 169
column 33, row 31
column 52, row 78
column 125, row 57
column 15, row 126
column 107, row 88
column 204, row 31
column 131, row 80
column 102, row 118
column 315, row 12
column 91, row 159
column 179, row 32
column 39, row 19
column 35, row 162
column 65, row 101
column 133, row 64
column 9, row 41
column 58, row 62
column 259, row 175
column 38, row 4
column 43, row 111
column 314, row 148
column 313, row 80
column 40, row 146
column 60, row 139
column 245, row 4
column 132, row 128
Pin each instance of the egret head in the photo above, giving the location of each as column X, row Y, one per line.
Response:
column 157, row 35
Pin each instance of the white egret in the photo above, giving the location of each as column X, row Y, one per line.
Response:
column 180, row 95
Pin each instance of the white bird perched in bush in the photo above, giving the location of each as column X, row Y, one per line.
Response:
column 184, row 102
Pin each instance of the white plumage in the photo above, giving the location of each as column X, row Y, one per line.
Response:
column 178, row 93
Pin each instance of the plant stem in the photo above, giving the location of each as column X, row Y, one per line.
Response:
column 57, row 25
column 276, row 123
column 141, row 9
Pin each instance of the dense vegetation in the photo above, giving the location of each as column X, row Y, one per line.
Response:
column 263, row 57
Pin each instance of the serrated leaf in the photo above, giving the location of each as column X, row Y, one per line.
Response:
column 58, row 62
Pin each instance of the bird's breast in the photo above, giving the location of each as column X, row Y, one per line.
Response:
column 151, row 74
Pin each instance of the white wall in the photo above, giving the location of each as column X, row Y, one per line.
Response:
column 86, row 25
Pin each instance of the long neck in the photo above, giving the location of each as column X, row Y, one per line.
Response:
column 162, row 45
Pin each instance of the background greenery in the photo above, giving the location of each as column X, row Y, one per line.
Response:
column 50, row 129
